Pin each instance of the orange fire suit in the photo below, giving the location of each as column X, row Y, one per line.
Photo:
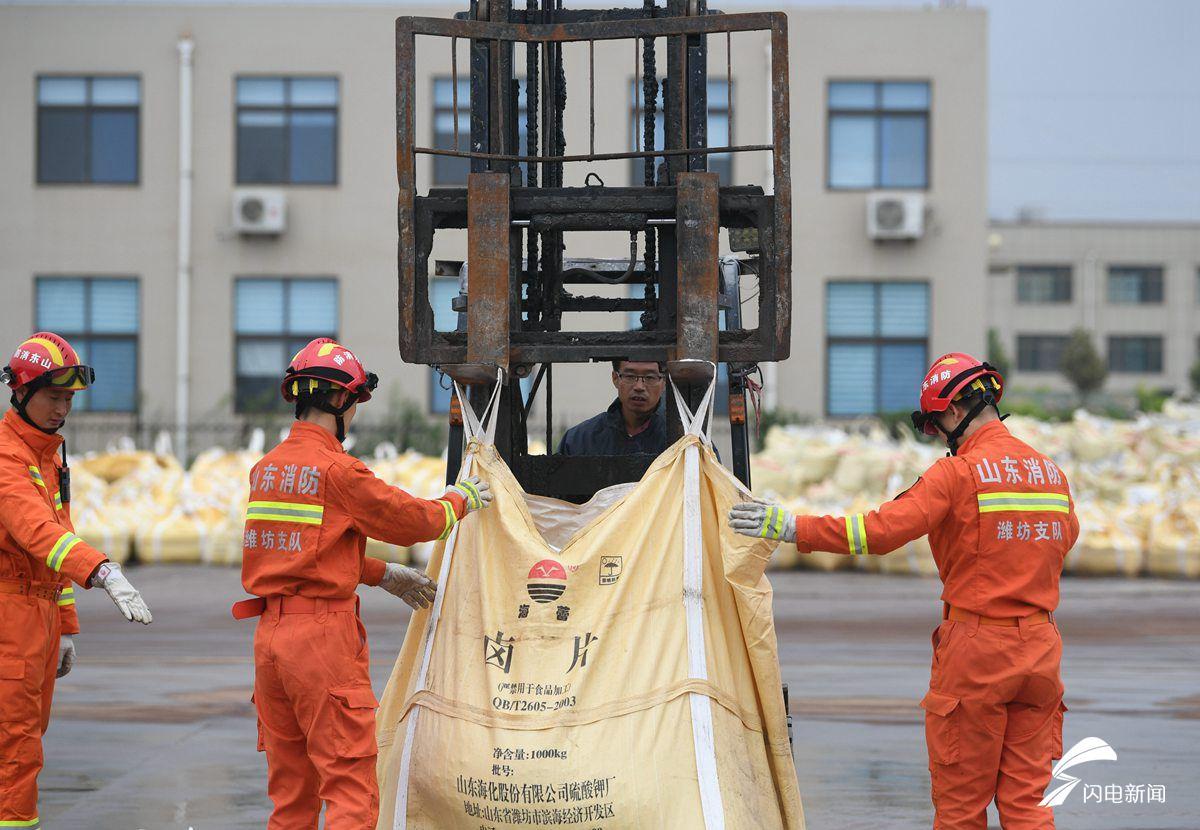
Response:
column 40, row 556
column 311, row 509
column 1000, row 521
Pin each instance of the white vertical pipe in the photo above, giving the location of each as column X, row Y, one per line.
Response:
column 183, row 273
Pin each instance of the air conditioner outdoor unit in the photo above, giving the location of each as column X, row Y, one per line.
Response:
column 895, row 215
column 259, row 211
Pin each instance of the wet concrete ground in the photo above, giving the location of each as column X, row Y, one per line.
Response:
column 154, row 729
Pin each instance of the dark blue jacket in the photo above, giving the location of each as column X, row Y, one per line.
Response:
column 605, row 435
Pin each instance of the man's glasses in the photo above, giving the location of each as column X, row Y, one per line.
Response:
column 632, row 379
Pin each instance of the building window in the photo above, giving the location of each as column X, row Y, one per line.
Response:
column 99, row 316
column 287, row 130
column 1135, row 355
column 1040, row 352
column 878, row 134
column 878, row 339
column 1135, row 284
column 449, row 170
column 87, row 129
column 719, row 129
column 1043, row 283
column 273, row 319
column 442, row 292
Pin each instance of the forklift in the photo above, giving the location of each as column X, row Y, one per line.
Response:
column 519, row 279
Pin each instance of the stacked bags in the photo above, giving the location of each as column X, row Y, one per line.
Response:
column 1136, row 486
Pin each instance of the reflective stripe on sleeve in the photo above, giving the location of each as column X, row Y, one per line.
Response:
column 67, row 597
column 281, row 511
column 30, row 824
column 856, row 534
column 451, row 519
column 59, row 552
column 1036, row 502
column 36, row 475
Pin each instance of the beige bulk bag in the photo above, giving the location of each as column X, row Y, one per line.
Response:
column 785, row 557
column 176, row 538
column 1108, row 543
column 625, row 676
column 913, row 559
column 224, row 544
column 1174, row 549
column 113, row 540
column 387, row 552
column 771, row 478
column 865, row 470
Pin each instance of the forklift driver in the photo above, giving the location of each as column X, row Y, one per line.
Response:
column 634, row 423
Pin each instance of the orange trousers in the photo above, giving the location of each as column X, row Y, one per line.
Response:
column 316, row 715
column 993, row 723
column 29, row 634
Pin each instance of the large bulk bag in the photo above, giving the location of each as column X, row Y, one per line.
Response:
column 607, row 665
column 1174, row 549
column 1109, row 543
column 176, row 538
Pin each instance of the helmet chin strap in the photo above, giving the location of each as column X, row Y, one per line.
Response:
column 64, row 475
column 952, row 436
column 19, row 404
column 322, row 403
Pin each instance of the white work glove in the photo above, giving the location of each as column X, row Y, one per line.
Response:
column 66, row 655
column 476, row 493
column 763, row 520
column 127, row 599
column 411, row 585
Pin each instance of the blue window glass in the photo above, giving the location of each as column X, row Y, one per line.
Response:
column 449, row 170
column 878, row 134
column 902, row 144
column 88, row 129
column 115, row 362
column 719, row 128
column 287, row 130
column 101, row 319
column 853, row 370
column 901, row 370
column 852, row 151
column 275, row 317
column 877, row 345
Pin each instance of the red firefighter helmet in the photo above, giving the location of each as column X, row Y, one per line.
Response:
column 46, row 359
column 326, row 365
column 950, row 377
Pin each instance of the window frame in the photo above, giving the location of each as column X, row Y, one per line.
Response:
column 1149, row 338
column 1037, row 336
column 285, row 336
column 86, row 336
column 637, row 165
column 464, row 108
column 287, row 108
column 1029, row 269
column 875, row 341
column 876, row 113
column 1147, row 270
column 87, row 109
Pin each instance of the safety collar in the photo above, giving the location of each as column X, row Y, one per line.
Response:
column 308, row 431
column 42, row 442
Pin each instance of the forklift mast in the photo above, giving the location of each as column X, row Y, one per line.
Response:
column 519, row 278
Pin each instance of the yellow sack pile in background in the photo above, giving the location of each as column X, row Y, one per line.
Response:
column 607, row 665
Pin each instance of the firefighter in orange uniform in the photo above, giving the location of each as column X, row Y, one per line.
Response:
column 1000, row 521
column 40, row 558
column 312, row 507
